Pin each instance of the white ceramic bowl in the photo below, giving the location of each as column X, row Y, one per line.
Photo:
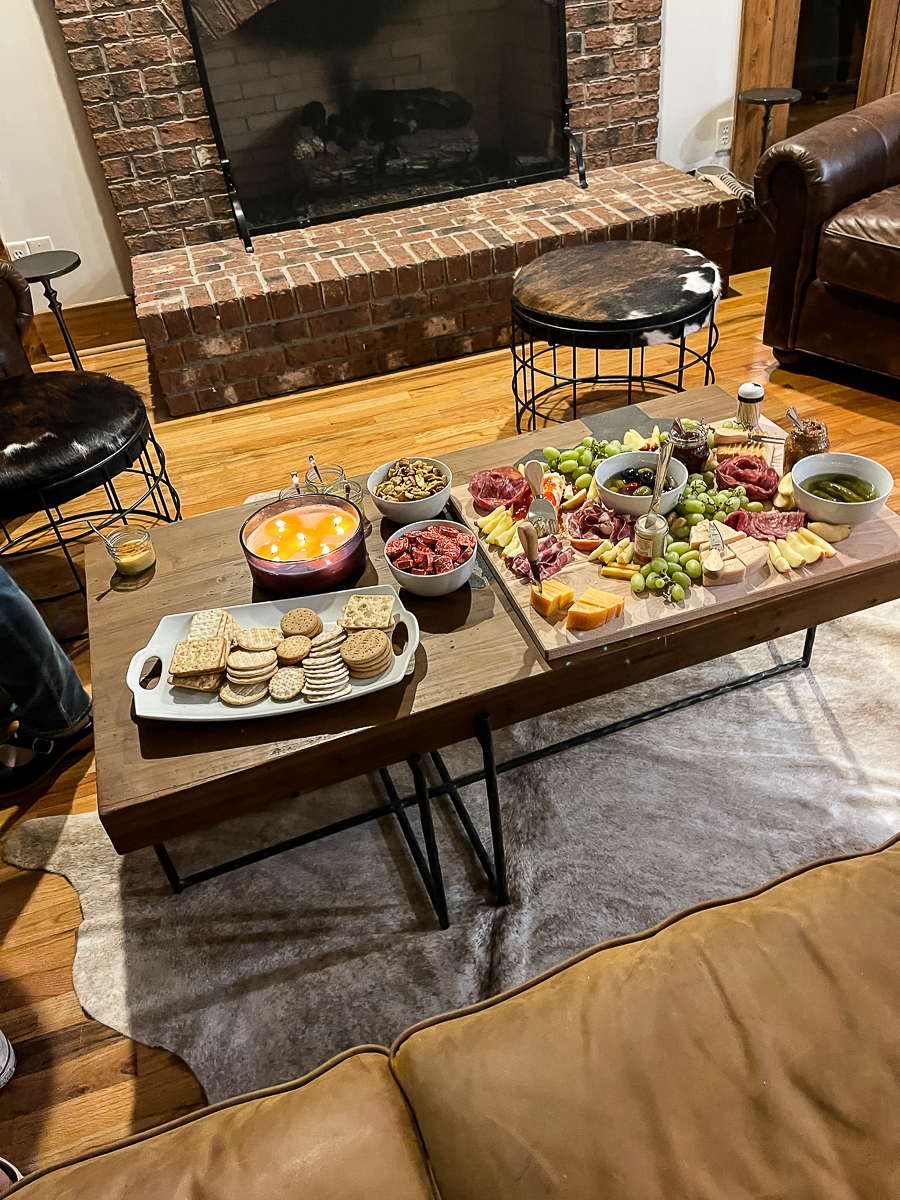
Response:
column 433, row 585
column 403, row 511
column 636, row 505
column 836, row 512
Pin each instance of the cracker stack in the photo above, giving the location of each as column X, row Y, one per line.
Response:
column 199, row 663
column 367, row 653
column 327, row 675
column 301, row 622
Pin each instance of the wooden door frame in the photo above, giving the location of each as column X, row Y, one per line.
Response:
column 766, row 59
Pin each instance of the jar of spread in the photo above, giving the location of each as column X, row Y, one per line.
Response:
column 810, row 437
column 131, row 550
column 691, row 447
column 650, row 531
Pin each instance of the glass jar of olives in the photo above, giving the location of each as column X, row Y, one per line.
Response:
column 691, row 447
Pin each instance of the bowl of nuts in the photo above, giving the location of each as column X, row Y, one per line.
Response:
column 410, row 489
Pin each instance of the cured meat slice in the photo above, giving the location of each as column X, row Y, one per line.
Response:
column 766, row 524
column 592, row 521
column 552, row 557
column 748, row 472
column 499, row 488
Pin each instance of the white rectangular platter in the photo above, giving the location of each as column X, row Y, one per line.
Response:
column 164, row 702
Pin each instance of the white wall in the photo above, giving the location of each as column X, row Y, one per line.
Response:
column 51, row 181
column 699, row 75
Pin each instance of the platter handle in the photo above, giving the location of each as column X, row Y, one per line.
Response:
column 133, row 674
column 412, row 629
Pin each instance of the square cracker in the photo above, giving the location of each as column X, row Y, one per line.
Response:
column 199, row 656
column 367, row 612
column 211, row 622
column 199, row 683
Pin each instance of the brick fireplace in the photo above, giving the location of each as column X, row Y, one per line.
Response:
column 372, row 293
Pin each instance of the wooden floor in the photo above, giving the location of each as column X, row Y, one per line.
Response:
column 79, row 1084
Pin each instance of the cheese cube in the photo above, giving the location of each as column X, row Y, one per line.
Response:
column 732, row 572
column 555, row 597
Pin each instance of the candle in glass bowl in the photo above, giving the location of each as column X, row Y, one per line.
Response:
column 298, row 534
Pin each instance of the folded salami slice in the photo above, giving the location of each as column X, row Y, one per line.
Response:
column 748, row 472
column 498, row 488
column 766, row 525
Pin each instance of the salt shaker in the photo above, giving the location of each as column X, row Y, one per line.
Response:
column 750, row 400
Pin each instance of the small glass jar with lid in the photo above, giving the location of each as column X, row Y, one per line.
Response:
column 810, row 437
column 690, row 445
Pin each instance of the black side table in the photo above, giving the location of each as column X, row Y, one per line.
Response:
column 769, row 97
column 41, row 268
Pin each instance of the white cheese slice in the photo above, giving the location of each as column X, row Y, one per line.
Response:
column 732, row 572
column 700, row 534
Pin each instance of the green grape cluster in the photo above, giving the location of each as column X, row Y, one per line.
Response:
column 578, row 465
column 671, row 575
column 701, row 500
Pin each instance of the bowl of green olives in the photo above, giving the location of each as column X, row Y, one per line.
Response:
column 625, row 482
column 840, row 489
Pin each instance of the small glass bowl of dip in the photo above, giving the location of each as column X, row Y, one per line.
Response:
column 311, row 517
column 131, row 550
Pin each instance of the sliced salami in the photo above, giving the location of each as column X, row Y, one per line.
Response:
column 499, row 488
column 748, row 472
column 766, row 525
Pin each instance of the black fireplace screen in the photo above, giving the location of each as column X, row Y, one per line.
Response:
column 324, row 109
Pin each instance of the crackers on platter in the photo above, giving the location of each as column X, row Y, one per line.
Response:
column 301, row 658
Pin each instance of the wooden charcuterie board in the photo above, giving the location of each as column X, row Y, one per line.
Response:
column 871, row 543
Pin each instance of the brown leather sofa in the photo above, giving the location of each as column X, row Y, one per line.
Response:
column 743, row 1049
column 833, row 196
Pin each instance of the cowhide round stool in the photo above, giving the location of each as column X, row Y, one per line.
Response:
column 569, row 305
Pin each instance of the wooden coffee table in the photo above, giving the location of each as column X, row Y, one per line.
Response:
column 477, row 668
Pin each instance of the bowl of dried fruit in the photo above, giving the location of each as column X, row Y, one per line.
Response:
column 410, row 489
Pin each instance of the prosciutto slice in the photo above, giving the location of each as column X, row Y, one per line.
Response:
column 552, row 557
column 594, row 521
column 766, row 525
column 498, row 488
column 748, row 472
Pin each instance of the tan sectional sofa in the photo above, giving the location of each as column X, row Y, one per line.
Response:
column 744, row 1049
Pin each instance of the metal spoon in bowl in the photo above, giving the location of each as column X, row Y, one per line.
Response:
column 312, row 462
column 662, row 467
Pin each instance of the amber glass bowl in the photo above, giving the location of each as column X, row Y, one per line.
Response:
column 300, row 577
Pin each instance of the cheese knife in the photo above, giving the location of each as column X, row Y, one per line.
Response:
column 529, row 539
column 715, row 559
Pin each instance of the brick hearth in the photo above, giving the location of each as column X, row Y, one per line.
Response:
column 378, row 293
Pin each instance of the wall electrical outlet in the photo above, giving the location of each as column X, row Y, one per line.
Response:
column 724, row 134
column 39, row 244
column 17, row 249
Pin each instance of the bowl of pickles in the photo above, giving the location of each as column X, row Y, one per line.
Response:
column 840, row 489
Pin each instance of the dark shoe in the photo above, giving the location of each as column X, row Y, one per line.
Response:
column 48, row 757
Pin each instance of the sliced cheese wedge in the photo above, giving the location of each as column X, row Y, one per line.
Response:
column 700, row 534
column 554, row 597
column 594, row 608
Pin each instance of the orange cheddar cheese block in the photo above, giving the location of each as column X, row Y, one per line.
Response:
column 555, row 597
column 594, row 608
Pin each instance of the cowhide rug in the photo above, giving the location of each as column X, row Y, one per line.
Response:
column 257, row 977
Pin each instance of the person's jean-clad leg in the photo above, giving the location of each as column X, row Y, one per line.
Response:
column 39, row 687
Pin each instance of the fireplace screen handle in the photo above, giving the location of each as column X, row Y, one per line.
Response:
column 575, row 144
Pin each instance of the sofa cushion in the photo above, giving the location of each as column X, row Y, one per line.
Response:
column 342, row 1133
column 860, row 247
column 744, row 1049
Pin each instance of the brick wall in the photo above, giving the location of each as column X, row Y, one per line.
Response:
column 373, row 294
column 139, row 83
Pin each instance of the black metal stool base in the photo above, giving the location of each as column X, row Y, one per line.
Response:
column 546, row 371
column 159, row 501
column 428, row 862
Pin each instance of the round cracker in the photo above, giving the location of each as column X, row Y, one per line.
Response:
column 287, row 684
column 261, row 637
column 313, row 698
column 293, row 649
column 364, row 648
column 376, row 668
column 326, row 636
column 250, row 660
column 260, row 677
column 301, row 621
column 238, row 694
